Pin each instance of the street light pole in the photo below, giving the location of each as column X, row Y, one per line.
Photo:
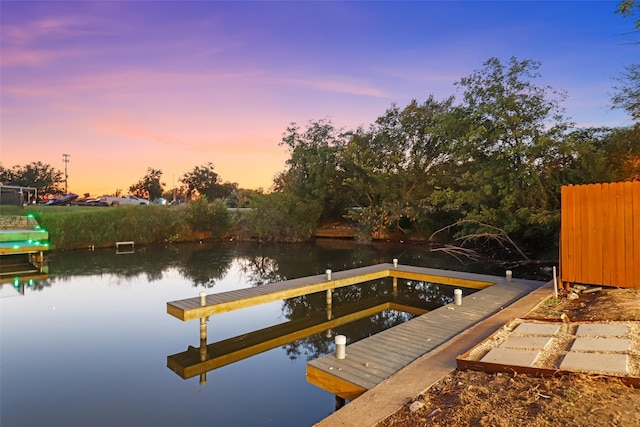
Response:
column 65, row 159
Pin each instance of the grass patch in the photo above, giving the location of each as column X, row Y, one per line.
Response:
column 73, row 227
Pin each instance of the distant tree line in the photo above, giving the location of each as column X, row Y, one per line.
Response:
column 202, row 181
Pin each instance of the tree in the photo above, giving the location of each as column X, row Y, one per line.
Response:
column 390, row 169
column 505, row 130
column 312, row 172
column 149, row 187
column 283, row 217
column 213, row 217
column 627, row 92
column 630, row 8
column 42, row 176
column 203, row 181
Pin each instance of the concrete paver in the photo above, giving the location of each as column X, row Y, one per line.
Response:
column 511, row 356
column 537, row 328
column 603, row 329
column 614, row 345
column 606, row 363
column 537, row 343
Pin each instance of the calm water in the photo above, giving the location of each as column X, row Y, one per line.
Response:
column 89, row 345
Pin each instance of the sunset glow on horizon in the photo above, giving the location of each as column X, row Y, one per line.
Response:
column 125, row 86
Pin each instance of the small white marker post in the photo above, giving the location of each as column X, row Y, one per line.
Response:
column 555, row 282
column 341, row 345
column 509, row 275
column 328, row 272
column 457, row 296
column 203, row 299
column 395, row 263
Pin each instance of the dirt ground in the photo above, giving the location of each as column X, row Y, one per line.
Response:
column 470, row 398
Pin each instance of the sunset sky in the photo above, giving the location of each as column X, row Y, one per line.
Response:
column 123, row 86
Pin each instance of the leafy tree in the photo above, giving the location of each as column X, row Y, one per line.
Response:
column 203, row 181
column 623, row 154
column 283, row 217
column 627, row 93
column 630, row 8
column 149, row 187
column 313, row 173
column 205, row 216
column 505, row 129
column 44, row 177
column 392, row 167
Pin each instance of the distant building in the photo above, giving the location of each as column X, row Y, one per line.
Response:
column 17, row 195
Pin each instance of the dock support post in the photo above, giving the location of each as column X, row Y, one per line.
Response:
column 329, row 296
column 509, row 275
column 457, row 296
column 340, row 402
column 341, row 346
column 395, row 286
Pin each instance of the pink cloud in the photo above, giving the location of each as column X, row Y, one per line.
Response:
column 335, row 85
column 30, row 32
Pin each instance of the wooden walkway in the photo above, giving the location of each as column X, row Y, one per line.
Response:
column 191, row 308
column 374, row 359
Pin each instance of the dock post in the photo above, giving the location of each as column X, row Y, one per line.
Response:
column 457, row 296
column 328, row 272
column 395, row 286
column 341, row 346
column 340, row 402
column 329, row 312
column 395, row 263
column 509, row 274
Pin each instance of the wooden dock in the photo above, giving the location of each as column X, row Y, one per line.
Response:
column 374, row 359
column 22, row 235
column 192, row 308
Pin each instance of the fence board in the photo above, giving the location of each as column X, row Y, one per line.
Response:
column 620, row 238
column 600, row 237
column 566, row 244
column 605, row 212
column 636, row 234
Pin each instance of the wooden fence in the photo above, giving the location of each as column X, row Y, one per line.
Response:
column 600, row 236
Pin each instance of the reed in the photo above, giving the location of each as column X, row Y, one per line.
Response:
column 74, row 227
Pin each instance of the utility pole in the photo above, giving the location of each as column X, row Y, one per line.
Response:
column 65, row 159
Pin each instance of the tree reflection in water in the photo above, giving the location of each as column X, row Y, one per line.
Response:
column 205, row 264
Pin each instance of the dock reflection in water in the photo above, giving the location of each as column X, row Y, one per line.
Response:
column 199, row 360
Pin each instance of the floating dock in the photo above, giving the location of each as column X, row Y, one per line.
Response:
column 22, row 247
column 374, row 359
column 196, row 308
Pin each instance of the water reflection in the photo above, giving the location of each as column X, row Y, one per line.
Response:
column 357, row 311
column 102, row 319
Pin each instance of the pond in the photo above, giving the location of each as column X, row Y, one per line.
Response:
column 90, row 344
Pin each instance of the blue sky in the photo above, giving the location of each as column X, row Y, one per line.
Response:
column 122, row 86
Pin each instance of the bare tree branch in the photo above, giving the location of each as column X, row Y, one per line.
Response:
column 499, row 235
